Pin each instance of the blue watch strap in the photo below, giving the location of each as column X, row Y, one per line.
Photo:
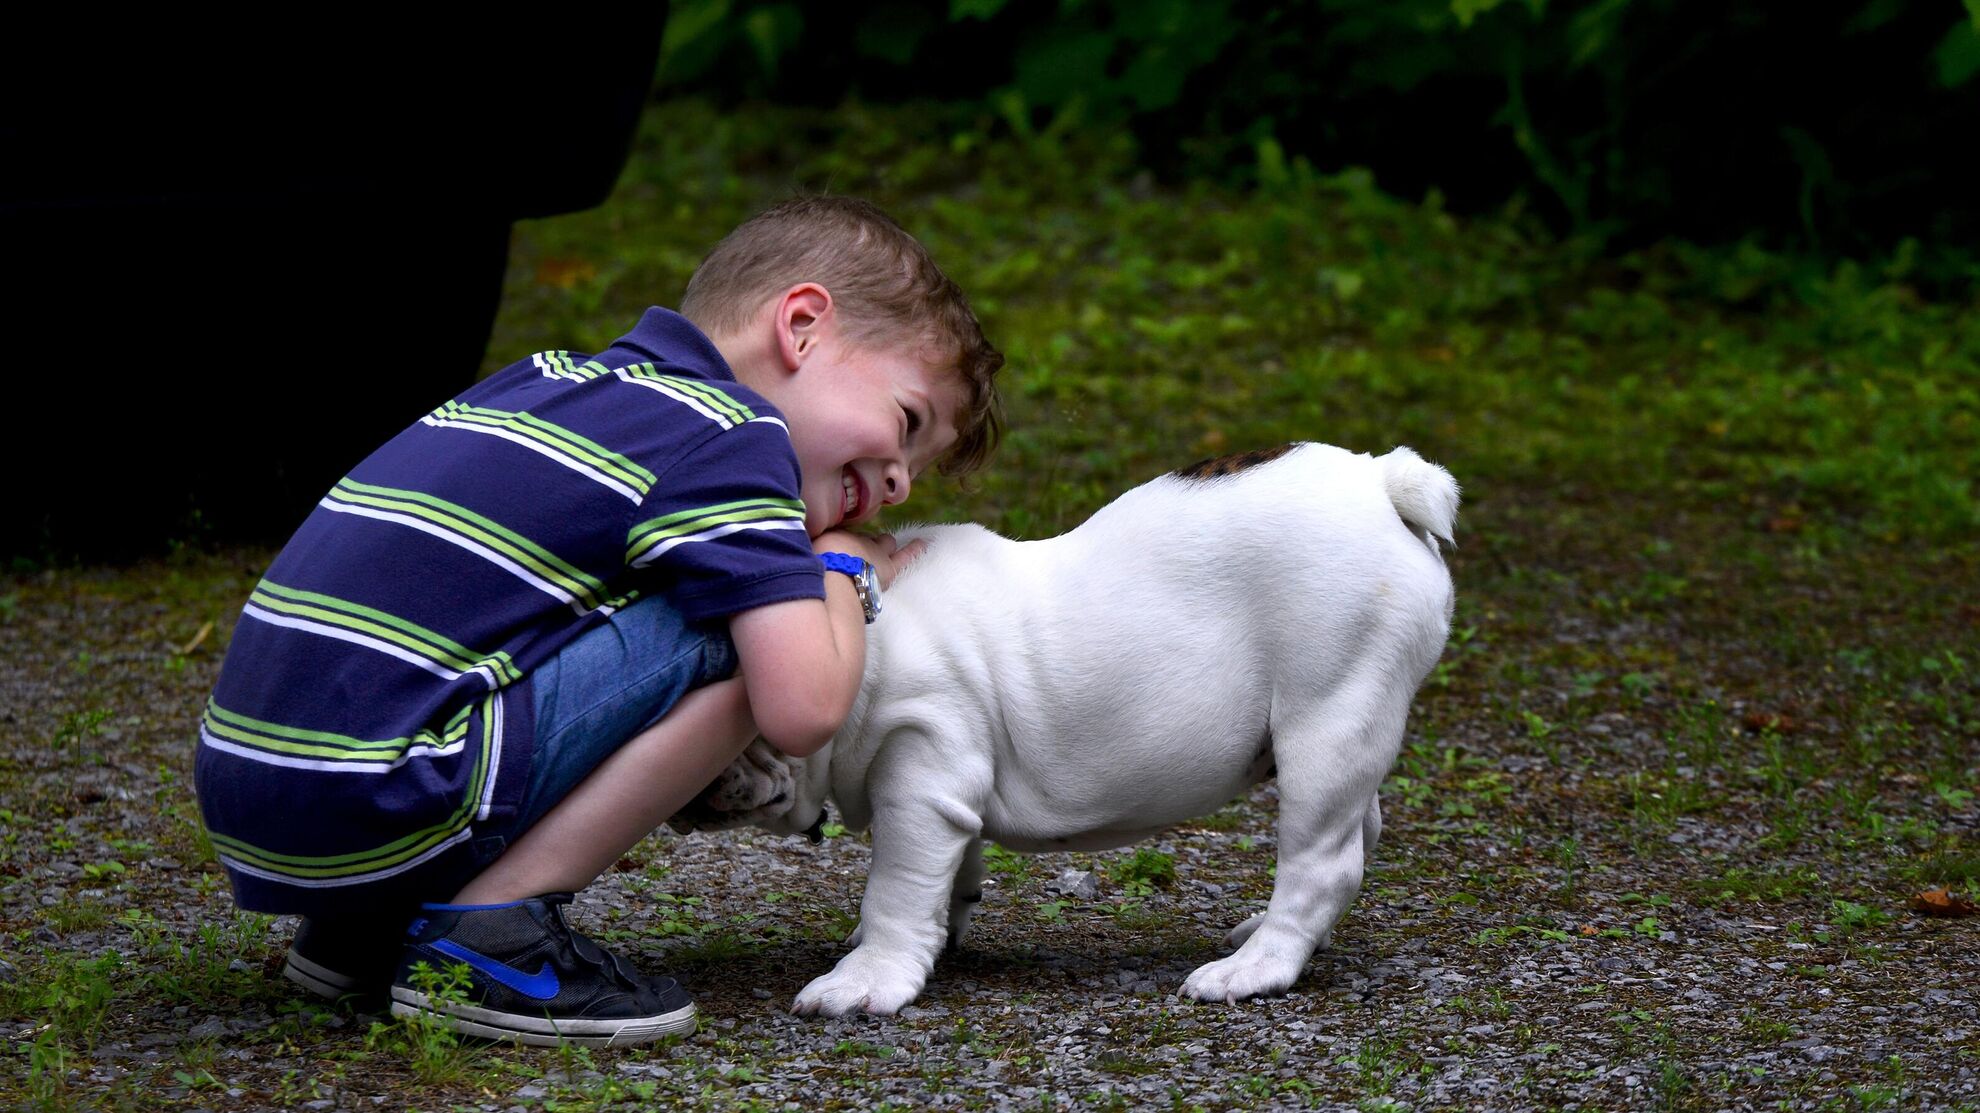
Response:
column 842, row 562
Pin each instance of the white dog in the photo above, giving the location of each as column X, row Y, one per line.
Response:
column 1265, row 614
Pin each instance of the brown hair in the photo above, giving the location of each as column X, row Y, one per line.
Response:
column 886, row 287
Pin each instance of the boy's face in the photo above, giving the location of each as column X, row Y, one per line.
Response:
column 865, row 420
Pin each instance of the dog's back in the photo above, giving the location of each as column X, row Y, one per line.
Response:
column 1175, row 628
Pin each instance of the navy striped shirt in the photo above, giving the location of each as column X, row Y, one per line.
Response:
column 375, row 701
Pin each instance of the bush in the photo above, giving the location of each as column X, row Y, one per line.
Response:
column 1834, row 126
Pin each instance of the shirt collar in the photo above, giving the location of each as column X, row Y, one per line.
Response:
column 665, row 336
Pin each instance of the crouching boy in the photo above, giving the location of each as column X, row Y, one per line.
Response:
column 528, row 629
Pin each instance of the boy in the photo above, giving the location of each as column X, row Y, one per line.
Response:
column 499, row 652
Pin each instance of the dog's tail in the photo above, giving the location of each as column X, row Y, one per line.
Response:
column 1425, row 496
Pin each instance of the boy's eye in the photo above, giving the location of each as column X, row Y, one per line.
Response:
column 913, row 421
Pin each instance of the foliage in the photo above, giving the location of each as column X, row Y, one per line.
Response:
column 1146, row 328
column 1614, row 116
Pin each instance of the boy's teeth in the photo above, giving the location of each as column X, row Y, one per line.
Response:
column 852, row 496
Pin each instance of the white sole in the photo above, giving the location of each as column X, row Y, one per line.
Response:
column 320, row 980
column 489, row 1024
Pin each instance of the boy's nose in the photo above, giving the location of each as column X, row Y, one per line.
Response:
column 896, row 484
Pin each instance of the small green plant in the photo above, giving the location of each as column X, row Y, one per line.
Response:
column 1005, row 863
column 78, row 726
column 1570, row 860
column 1226, row 819
column 860, row 1049
column 77, row 994
column 1658, row 801
column 428, row 1043
column 1142, row 872
column 1378, row 1062
column 1848, row 918
column 104, row 871
column 1491, row 1004
column 48, row 1080
column 1637, row 686
column 1672, row 1088
column 1758, row 883
column 1764, row 1027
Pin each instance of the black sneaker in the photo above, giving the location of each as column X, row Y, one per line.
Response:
column 531, row 978
column 339, row 960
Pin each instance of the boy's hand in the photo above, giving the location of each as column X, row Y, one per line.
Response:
column 886, row 555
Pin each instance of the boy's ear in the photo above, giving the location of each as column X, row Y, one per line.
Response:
column 803, row 317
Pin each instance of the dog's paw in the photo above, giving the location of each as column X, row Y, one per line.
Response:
column 862, row 982
column 758, row 781
column 1236, row 978
column 1243, row 931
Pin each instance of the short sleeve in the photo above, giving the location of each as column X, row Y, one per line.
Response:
column 724, row 526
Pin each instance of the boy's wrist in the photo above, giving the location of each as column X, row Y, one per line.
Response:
column 865, row 580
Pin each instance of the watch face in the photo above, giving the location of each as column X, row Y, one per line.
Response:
column 869, row 591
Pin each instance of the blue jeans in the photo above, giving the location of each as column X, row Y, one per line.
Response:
column 599, row 691
column 607, row 686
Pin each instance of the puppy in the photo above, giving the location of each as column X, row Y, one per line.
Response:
column 1267, row 614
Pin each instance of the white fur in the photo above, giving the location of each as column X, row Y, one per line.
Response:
column 1089, row 690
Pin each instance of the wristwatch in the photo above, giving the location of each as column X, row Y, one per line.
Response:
column 865, row 581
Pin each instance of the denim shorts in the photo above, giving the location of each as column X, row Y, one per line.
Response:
column 613, row 682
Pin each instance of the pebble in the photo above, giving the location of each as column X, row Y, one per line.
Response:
column 1079, row 884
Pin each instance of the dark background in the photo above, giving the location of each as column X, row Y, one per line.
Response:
column 1833, row 126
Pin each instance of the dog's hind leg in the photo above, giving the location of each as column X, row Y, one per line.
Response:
column 967, row 895
column 1331, row 759
column 1371, row 830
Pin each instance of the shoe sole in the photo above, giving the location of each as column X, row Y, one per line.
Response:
column 321, row 980
column 537, row 1031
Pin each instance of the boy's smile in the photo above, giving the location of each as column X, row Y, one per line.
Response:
column 865, row 422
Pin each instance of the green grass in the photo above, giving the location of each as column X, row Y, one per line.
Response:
column 1144, row 326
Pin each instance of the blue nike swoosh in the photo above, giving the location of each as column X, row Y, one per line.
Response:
column 541, row 985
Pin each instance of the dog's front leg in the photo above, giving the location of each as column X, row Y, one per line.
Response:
column 965, row 897
column 918, row 848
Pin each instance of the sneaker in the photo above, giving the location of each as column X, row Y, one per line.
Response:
column 339, row 960
column 533, row 979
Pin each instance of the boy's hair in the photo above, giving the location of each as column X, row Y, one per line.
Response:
column 886, row 287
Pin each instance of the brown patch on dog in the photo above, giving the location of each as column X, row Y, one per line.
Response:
column 1222, row 466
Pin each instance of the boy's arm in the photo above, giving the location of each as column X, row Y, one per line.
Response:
column 801, row 661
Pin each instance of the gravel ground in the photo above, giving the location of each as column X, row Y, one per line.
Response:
column 1544, row 926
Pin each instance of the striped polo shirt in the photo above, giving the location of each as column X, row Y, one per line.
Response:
column 375, row 702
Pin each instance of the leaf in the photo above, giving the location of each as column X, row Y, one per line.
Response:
column 1958, row 55
column 1757, row 721
column 1943, row 902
